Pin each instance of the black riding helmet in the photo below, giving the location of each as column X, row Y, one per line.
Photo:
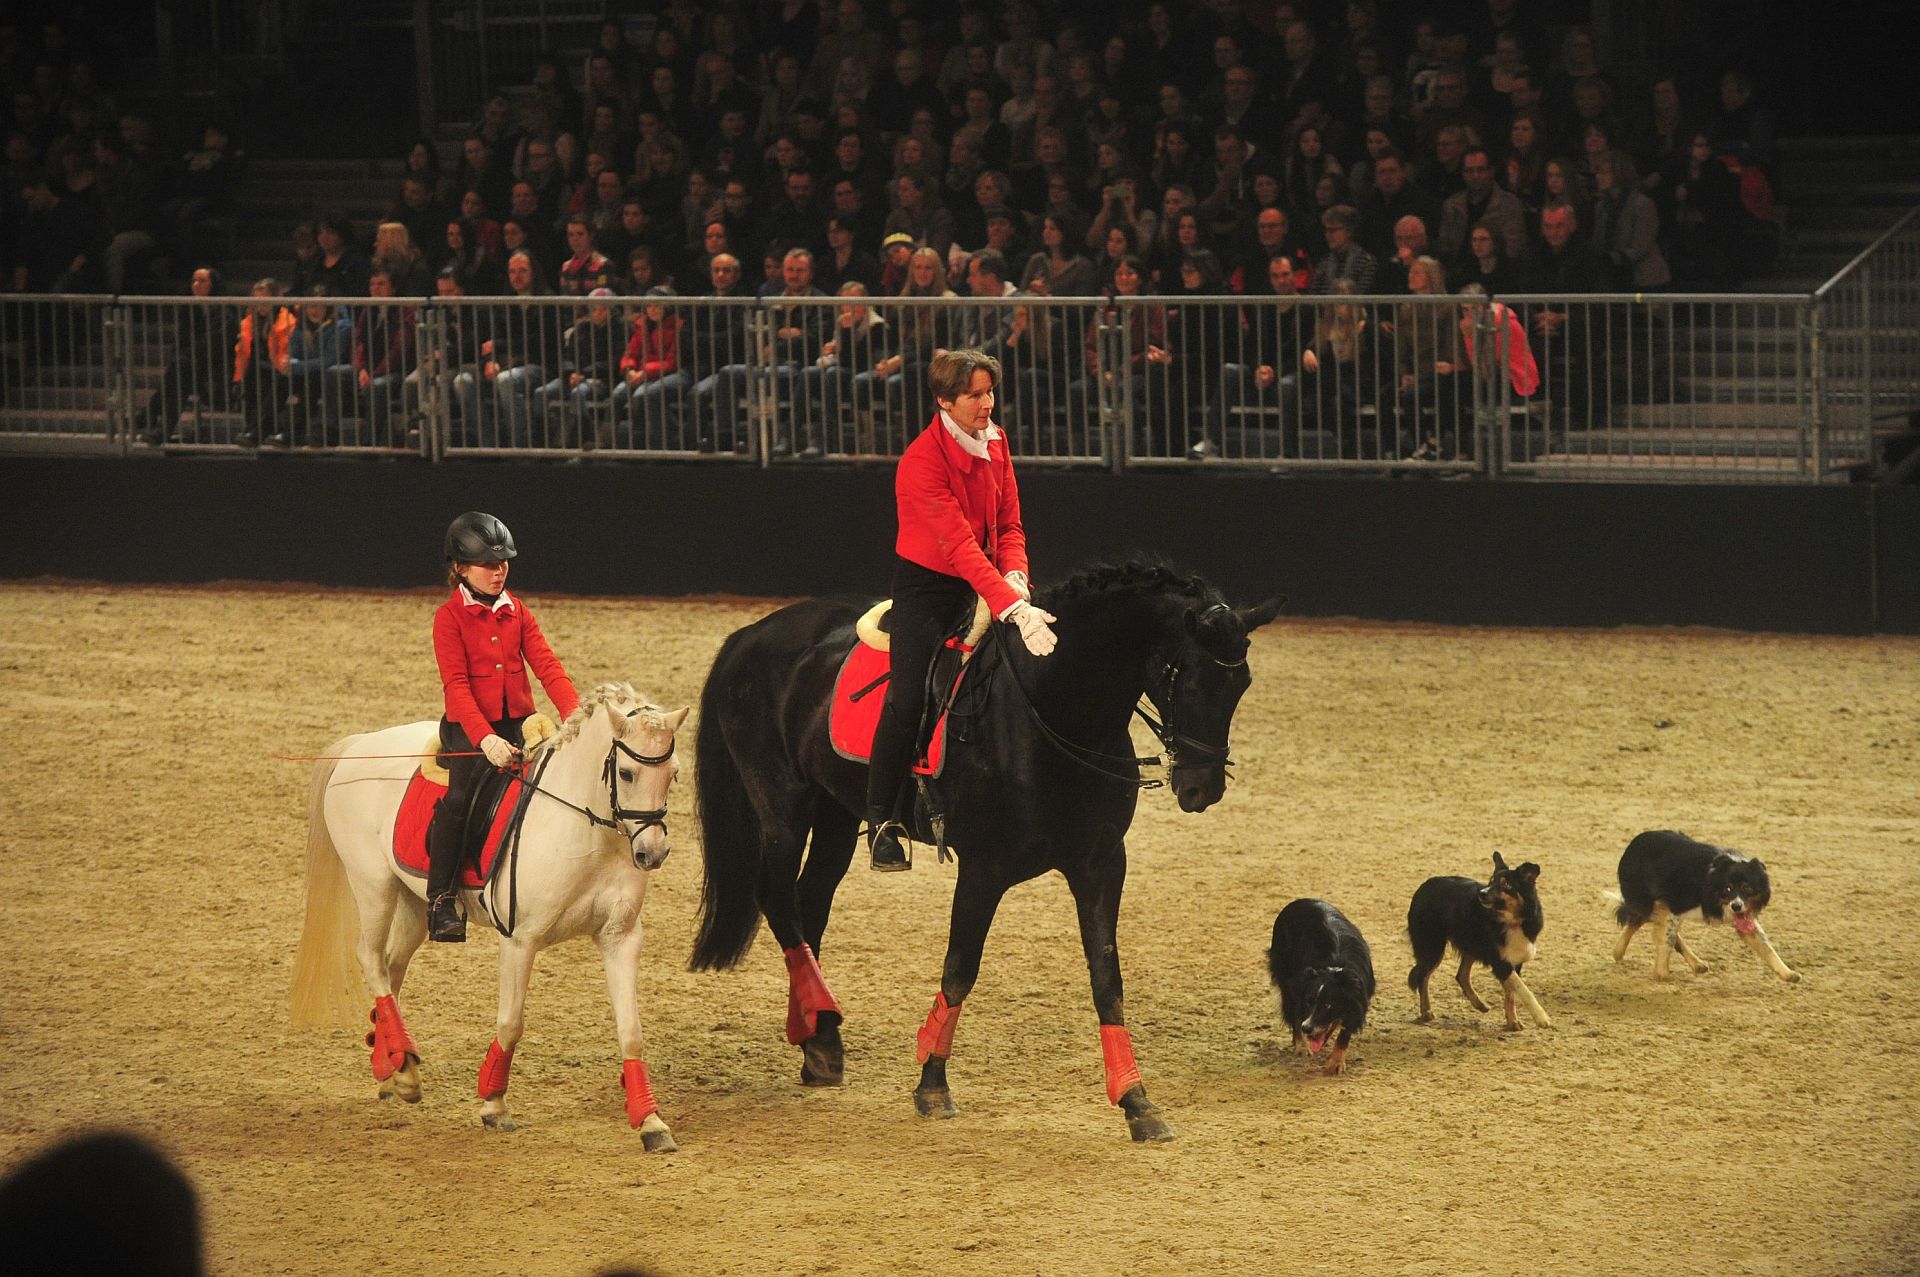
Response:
column 479, row 538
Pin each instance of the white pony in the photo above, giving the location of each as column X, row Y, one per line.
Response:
column 590, row 836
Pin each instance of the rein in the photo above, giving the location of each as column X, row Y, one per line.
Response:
column 1080, row 754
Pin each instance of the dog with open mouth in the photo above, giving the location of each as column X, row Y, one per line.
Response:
column 1494, row 923
column 1323, row 969
column 1666, row 877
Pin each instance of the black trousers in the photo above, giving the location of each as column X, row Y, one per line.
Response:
column 443, row 835
column 927, row 606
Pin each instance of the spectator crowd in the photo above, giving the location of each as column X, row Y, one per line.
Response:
column 871, row 149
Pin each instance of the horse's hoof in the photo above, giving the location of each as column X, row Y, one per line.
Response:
column 1149, row 1128
column 660, row 1141
column 934, row 1102
column 822, row 1066
column 498, row 1122
column 403, row 1085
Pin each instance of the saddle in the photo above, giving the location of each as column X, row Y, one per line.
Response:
column 499, row 801
column 859, row 691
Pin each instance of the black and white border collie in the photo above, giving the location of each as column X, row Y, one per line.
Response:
column 1666, row 877
column 1324, row 971
column 1494, row 923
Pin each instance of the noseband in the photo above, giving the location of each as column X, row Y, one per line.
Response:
column 1185, row 751
column 642, row 818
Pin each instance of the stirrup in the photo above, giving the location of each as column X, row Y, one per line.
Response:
column 887, row 846
column 445, row 922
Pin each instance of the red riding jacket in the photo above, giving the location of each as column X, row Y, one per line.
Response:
column 484, row 653
column 960, row 514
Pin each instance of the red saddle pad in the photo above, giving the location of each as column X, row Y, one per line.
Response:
column 858, row 694
column 416, row 813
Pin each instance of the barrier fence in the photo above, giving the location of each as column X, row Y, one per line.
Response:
column 1748, row 388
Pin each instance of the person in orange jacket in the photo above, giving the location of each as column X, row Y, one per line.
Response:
column 484, row 639
column 960, row 535
column 261, row 380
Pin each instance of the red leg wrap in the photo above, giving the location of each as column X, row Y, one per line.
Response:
column 807, row 994
column 1116, row 1049
column 640, row 1105
column 495, row 1071
column 391, row 1042
column 936, row 1035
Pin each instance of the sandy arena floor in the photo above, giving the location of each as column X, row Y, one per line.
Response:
column 151, row 860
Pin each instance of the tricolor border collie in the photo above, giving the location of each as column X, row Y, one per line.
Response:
column 1324, row 972
column 1494, row 923
column 1666, row 877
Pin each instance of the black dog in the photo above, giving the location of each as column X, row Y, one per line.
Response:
column 1495, row 923
column 1324, row 972
column 1666, row 876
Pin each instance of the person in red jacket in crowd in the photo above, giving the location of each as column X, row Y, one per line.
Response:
column 484, row 640
column 960, row 535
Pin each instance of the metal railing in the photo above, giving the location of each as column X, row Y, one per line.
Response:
column 1693, row 388
column 1864, row 331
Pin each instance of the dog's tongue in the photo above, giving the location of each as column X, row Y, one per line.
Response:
column 1318, row 1040
column 1743, row 923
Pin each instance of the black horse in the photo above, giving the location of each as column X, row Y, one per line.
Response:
column 1040, row 774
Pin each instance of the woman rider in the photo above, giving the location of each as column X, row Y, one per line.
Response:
column 960, row 535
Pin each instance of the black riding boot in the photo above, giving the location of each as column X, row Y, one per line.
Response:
column 886, row 836
column 444, row 919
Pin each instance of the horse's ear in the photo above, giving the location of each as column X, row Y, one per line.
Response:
column 1255, row 617
column 678, row 717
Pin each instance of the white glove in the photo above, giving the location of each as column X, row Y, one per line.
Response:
column 1034, row 631
column 498, row 751
column 1021, row 586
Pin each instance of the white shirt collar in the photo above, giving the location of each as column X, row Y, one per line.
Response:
column 968, row 443
column 505, row 599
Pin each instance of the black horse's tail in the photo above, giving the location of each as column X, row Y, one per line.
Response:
column 730, row 840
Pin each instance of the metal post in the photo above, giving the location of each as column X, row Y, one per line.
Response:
column 1490, row 418
column 1813, row 444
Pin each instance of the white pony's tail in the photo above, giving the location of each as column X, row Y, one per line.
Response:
column 327, row 986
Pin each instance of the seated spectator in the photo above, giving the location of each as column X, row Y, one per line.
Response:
column 1486, row 266
column 921, row 331
column 1563, row 182
column 590, row 354
column 1393, row 198
column 630, row 230
column 420, row 211
column 1626, row 228
column 483, row 169
column 843, row 263
column 128, row 200
column 1118, row 246
column 1526, row 161
column 526, row 343
column 918, row 215
column 1564, row 335
column 586, row 268
column 1434, row 396
column 1710, row 228
column 394, row 252
column 1344, row 259
column 338, row 265
column 1410, row 244
column 516, row 237
column 1483, row 201
column 1260, row 350
column 1449, row 108
column 1272, row 237
column 61, row 240
column 383, row 361
column 1743, row 128
column 1142, row 358
column 261, row 364
column 1579, row 60
column 600, row 196
column 798, row 329
column 649, row 393
column 794, row 218
column 320, row 343
column 1338, row 376
column 1661, row 140
column 1119, row 204
column 848, row 369
column 1439, row 178
column 197, row 366
column 714, row 347
column 1175, row 161
column 1059, row 269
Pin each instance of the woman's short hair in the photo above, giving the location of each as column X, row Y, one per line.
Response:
column 952, row 371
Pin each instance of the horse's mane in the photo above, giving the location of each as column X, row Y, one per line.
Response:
column 1143, row 575
column 609, row 694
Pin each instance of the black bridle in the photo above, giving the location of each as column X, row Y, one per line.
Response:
column 642, row 818
column 1177, row 744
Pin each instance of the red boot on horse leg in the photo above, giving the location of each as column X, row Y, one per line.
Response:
column 813, row 1020
column 395, row 1058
